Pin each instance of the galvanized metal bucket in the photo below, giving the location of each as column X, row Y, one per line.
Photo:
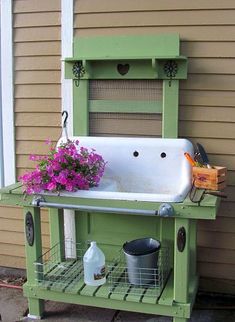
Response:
column 142, row 259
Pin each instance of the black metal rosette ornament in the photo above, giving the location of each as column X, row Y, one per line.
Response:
column 170, row 69
column 78, row 72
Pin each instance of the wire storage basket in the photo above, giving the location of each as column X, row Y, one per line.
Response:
column 58, row 272
column 149, row 282
column 54, row 270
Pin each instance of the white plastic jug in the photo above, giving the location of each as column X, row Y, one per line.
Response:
column 94, row 266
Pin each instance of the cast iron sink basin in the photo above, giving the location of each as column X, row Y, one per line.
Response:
column 142, row 169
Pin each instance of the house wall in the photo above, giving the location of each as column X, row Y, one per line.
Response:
column 207, row 110
column 37, row 104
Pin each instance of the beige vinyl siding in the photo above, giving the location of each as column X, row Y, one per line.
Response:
column 37, row 105
column 207, row 98
column 207, row 101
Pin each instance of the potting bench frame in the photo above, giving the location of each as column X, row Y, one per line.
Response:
column 120, row 57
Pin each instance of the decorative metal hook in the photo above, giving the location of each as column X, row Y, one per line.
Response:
column 66, row 117
column 78, row 72
column 170, row 69
column 64, row 126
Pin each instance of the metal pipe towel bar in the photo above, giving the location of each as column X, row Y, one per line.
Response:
column 40, row 202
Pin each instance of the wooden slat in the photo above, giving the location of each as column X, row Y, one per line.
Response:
column 217, row 285
column 64, row 276
column 223, row 160
column 194, row 33
column 47, row 48
column 12, row 261
column 207, row 113
column 11, row 212
column 206, row 129
column 39, row 119
column 211, row 66
column 208, row 49
column 216, row 145
column 38, row 105
column 216, row 240
column 215, row 255
column 13, row 250
column 89, row 290
column 225, row 271
column 209, row 82
column 18, row 238
column 37, row 34
column 221, row 224
column 40, row 91
column 17, row 213
column 37, row 63
column 16, row 225
column 167, row 294
column 35, row 6
column 37, row 77
column 136, row 295
column 207, row 98
column 231, row 178
column 31, row 147
column 37, row 19
column 38, row 133
column 133, row 5
column 155, row 18
column 227, row 209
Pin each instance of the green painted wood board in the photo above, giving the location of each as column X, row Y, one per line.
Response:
column 111, row 106
column 126, row 46
column 170, row 107
column 137, row 69
column 180, row 310
column 207, row 209
column 167, row 294
column 181, row 262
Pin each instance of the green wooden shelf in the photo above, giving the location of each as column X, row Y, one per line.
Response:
column 13, row 195
column 123, row 58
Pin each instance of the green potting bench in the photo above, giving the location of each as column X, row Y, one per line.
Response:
column 116, row 58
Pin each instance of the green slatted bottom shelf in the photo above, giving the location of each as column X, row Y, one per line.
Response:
column 67, row 276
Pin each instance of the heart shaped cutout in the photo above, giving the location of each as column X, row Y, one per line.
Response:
column 123, row 69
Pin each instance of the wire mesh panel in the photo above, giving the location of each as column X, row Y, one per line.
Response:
column 144, row 90
column 147, row 281
column 55, row 271
column 112, row 94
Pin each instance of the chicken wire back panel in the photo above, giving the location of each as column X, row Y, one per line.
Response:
column 125, row 124
column 144, row 90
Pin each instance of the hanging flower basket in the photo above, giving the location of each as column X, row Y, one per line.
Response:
column 67, row 167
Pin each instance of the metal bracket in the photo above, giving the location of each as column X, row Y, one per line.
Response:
column 29, row 228
column 166, row 210
column 37, row 200
column 181, row 239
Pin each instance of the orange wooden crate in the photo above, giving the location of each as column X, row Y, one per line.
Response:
column 211, row 179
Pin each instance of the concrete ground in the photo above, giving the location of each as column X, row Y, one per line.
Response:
column 14, row 308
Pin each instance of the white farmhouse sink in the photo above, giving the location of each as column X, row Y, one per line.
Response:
column 142, row 169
